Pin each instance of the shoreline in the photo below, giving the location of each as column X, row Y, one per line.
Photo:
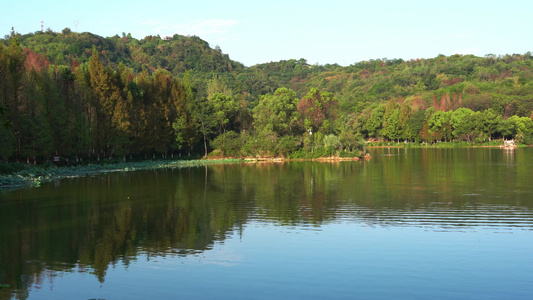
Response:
column 35, row 175
column 437, row 146
column 319, row 159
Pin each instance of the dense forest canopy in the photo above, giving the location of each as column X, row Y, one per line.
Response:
column 82, row 96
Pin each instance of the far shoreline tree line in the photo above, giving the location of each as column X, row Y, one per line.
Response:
column 92, row 111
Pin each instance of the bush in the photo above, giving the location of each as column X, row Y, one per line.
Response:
column 331, row 144
column 287, row 144
column 262, row 144
column 528, row 140
column 360, row 144
column 352, row 154
column 302, row 154
column 229, row 144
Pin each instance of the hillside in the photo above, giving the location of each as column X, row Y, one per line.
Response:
column 176, row 54
column 500, row 82
column 82, row 96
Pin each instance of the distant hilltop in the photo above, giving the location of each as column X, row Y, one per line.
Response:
column 176, row 54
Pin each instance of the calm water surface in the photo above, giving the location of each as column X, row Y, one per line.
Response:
column 407, row 224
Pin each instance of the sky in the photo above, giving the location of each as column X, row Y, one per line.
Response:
column 322, row 32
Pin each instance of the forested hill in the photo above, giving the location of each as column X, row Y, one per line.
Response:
column 176, row 54
column 81, row 95
column 475, row 79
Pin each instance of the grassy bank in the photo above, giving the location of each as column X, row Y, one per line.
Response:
column 459, row 144
column 35, row 175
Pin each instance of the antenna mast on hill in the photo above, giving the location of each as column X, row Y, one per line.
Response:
column 76, row 23
column 42, row 26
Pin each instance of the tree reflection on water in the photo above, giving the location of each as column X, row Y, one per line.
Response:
column 89, row 224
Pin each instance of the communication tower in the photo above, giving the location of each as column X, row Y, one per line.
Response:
column 42, row 26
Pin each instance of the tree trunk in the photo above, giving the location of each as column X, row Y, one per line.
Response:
column 205, row 145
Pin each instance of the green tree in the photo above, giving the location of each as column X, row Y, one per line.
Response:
column 403, row 120
column 391, row 126
column 440, row 125
column 488, row 123
column 224, row 110
column 179, row 129
column 287, row 144
column 332, row 144
column 277, row 112
column 229, row 144
column 13, row 85
column 101, row 92
column 415, row 126
column 519, row 127
column 374, row 124
column 203, row 114
column 462, row 124
column 390, row 108
column 186, row 112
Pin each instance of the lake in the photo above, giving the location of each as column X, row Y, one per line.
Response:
column 406, row 224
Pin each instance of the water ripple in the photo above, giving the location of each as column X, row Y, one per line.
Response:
column 482, row 216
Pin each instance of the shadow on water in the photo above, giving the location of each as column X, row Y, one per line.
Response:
column 89, row 224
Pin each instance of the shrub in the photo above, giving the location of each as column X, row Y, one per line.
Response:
column 263, row 144
column 229, row 144
column 528, row 140
column 331, row 144
column 287, row 144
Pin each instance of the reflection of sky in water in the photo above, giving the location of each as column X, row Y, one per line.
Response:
column 438, row 216
column 268, row 262
column 421, row 224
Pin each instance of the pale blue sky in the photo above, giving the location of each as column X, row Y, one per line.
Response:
column 343, row 32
